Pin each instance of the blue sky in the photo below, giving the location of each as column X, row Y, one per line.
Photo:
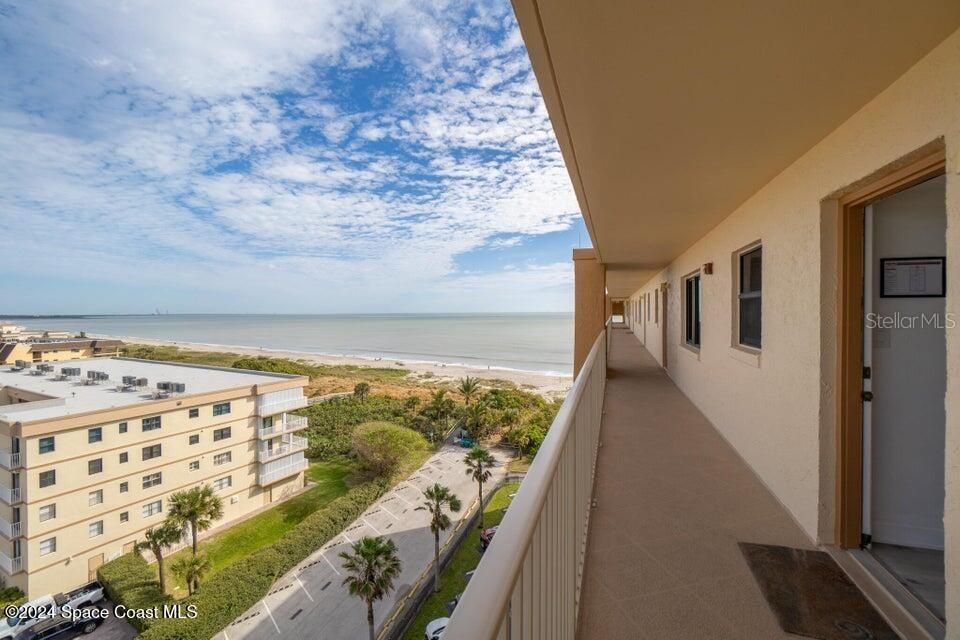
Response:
column 335, row 156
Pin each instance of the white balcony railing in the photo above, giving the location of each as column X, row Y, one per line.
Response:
column 10, row 496
column 287, row 424
column 528, row 583
column 9, row 530
column 10, row 460
column 268, row 475
column 274, row 402
column 10, row 565
column 288, row 444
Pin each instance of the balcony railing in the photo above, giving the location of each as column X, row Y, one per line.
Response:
column 9, row 530
column 288, row 444
column 10, row 460
column 10, row 565
column 10, row 496
column 287, row 424
column 274, row 402
column 528, row 583
column 269, row 477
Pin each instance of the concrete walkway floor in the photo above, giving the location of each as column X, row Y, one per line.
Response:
column 673, row 500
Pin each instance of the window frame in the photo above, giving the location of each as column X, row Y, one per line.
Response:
column 148, row 506
column 147, row 424
column 226, row 480
column 52, row 442
column 150, row 448
column 122, row 427
column 99, row 525
column 740, row 296
column 95, row 497
column 124, row 487
column 693, row 310
column 224, row 457
column 151, row 480
column 193, row 412
column 51, row 509
column 95, row 463
column 221, row 409
column 124, row 517
column 94, row 435
column 217, row 437
column 52, row 474
column 52, row 541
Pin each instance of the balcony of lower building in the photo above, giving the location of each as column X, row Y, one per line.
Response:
column 280, row 447
column 10, row 565
column 280, row 425
column 10, row 530
column 11, row 460
column 275, row 402
column 281, row 469
column 11, row 495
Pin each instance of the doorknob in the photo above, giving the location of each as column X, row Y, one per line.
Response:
column 866, row 396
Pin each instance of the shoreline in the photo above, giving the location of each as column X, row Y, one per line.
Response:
column 548, row 384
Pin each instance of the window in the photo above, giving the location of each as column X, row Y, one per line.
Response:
column 124, row 487
column 94, row 435
column 656, row 306
column 268, row 422
column 149, row 424
column 152, row 480
column 195, row 413
column 222, row 458
column 48, row 546
column 152, row 508
column 95, row 497
column 48, row 478
column 194, row 465
column 47, row 445
column 153, row 451
column 691, row 310
column 222, row 483
column 95, row 529
column 123, row 427
column 124, row 516
column 221, row 409
column 94, row 466
column 751, row 280
column 124, row 457
column 221, row 434
column 48, row 512
column 195, row 438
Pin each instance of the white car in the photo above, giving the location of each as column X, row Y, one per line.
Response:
column 435, row 629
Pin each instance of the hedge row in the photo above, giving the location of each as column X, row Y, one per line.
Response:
column 238, row 587
column 130, row 581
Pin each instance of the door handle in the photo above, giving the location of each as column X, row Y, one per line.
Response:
column 866, row 396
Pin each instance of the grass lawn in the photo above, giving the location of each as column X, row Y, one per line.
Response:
column 332, row 479
column 466, row 558
column 520, row 465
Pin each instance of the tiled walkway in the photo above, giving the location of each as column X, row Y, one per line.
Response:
column 673, row 500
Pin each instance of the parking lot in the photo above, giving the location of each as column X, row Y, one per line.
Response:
column 309, row 602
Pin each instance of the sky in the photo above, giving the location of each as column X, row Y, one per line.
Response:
column 251, row 156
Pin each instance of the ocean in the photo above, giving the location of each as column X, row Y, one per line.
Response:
column 540, row 342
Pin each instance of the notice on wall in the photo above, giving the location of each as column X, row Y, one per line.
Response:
column 913, row 277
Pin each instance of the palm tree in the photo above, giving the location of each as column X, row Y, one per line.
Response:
column 478, row 463
column 360, row 391
column 372, row 566
column 438, row 497
column 198, row 507
column 468, row 389
column 157, row 539
column 475, row 419
column 191, row 569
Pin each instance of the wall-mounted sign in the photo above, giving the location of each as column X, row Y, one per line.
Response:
column 913, row 277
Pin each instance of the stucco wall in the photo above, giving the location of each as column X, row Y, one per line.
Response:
column 769, row 407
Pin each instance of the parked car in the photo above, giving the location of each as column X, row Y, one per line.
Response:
column 435, row 629
column 486, row 536
column 47, row 607
column 62, row 628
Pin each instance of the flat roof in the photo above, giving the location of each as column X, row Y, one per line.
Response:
column 71, row 397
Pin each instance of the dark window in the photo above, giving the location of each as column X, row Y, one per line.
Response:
column 95, row 435
column 221, row 409
column 153, row 451
column 751, row 280
column 149, row 424
column 48, row 478
column 194, row 413
column 94, row 466
column 124, row 457
column 691, row 332
column 123, row 427
column 152, row 480
column 124, row 516
column 195, row 438
column 221, row 434
column 47, row 445
column 124, row 487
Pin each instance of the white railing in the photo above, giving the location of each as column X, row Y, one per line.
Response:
column 9, row 530
column 271, row 476
column 288, row 444
column 275, row 402
column 10, row 496
column 287, row 424
column 528, row 583
column 10, row 460
column 10, row 565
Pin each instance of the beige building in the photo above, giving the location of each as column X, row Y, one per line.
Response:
column 94, row 447
column 772, row 191
column 48, row 350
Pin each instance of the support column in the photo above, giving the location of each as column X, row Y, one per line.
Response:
column 591, row 304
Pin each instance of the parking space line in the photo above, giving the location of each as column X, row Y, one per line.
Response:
column 303, row 587
column 404, row 500
column 367, row 522
column 269, row 613
column 330, row 563
column 349, row 541
column 389, row 512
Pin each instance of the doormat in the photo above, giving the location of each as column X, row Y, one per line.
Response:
column 811, row 596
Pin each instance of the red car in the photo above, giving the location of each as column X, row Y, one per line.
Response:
column 486, row 536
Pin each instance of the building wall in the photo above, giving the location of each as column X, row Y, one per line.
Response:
column 775, row 407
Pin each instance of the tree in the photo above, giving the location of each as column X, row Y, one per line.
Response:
column 372, row 565
column 157, row 540
column 198, row 507
column 469, row 387
column 191, row 570
column 410, row 406
column 476, row 420
column 361, row 391
column 438, row 498
column 382, row 446
column 478, row 463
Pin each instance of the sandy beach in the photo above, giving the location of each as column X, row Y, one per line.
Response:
column 550, row 386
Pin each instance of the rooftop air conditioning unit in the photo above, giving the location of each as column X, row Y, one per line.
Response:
column 129, row 380
column 178, row 387
column 163, row 386
column 141, row 382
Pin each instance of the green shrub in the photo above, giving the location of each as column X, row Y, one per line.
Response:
column 275, row 365
column 382, row 446
column 11, row 595
column 332, row 423
column 130, row 581
column 232, row 591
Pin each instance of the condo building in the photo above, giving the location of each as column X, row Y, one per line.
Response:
column 56, row 350
column 92, row 449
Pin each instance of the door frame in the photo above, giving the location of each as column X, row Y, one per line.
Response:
column 850, row 274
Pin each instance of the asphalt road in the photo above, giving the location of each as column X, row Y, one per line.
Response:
column 310, row 601
column 113, row 628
